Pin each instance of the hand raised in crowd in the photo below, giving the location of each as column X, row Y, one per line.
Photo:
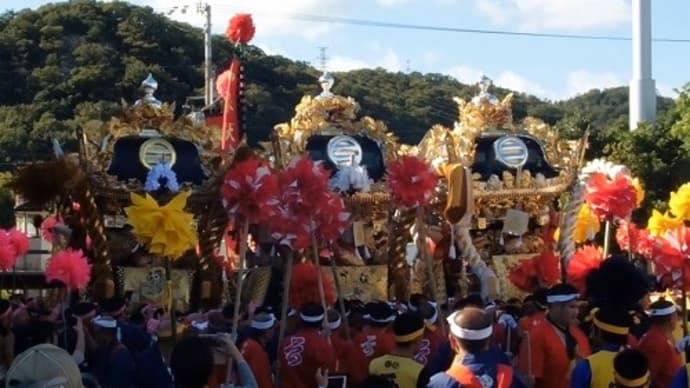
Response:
column 322, row 378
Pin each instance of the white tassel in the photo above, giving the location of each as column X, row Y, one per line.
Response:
column 451, row 253
column 367, row 254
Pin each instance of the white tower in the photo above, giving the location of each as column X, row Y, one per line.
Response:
column 642, row 87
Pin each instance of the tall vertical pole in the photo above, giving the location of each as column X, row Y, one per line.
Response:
column 642, row 88
column 208, row 67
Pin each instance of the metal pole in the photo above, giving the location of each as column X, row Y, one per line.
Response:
column 208, row 66
column 642, row 86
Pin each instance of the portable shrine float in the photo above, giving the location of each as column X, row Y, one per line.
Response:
column 496, row 201
column 140, row 200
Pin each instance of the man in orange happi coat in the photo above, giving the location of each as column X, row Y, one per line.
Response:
column 350, row 361
column 305, row 352
column 552, row 348
column 376, row 340
column 262, row 329
column 535, row 311
column 657, row 345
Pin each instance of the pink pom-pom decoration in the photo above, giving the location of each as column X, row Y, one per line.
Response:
column 411, row 182
column 20, row 241
column 47, row 228
column 8, row 253
column 70, row 268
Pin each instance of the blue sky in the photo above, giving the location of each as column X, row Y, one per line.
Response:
column 550, row 68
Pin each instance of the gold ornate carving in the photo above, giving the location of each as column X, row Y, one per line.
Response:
column 502, row 265
column 365, row 283
column 333, row 115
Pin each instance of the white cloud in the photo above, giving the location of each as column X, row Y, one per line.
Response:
column 465, row 74
column 582, row 81
column 513, row 81
column 378, row 56
column 572, row 15
column 665, row 90
column 269, row 15
column 505, row 79
column 391, row 3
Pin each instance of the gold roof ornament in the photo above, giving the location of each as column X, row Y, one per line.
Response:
column 146, row 118
column 329, row 114
column 487, row 120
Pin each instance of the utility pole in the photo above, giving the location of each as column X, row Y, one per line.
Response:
column 205, row 9
column 323, row 59
column 642, row 89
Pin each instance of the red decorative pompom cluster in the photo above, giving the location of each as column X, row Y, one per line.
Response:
column 307, row 206
column 13, row 245
column 304, row 287
column 240, row 28
column 539, row 271
column 70, row 268
column 411, row 181
column 585, row 259
column 631, row 238
column 610, row 199
column 250, row 191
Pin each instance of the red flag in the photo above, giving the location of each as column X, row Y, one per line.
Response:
column 228, row 87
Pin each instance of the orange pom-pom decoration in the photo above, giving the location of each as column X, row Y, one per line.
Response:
column 411, row 182
column 610, row 199
column 240, row 28
column 70, row 268
column 585, row 259
column 304, row 287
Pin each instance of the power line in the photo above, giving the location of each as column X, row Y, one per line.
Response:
column 407, row 26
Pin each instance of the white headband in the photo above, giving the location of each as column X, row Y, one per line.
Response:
column 468, row 334
column 292, row 313
column 562, row 298
column 663, row 311
column 105, row 323
column 307, row 318
column 200, row 325
column 264, row 325
column 384, row 320
column 336, row 324
column 434, row 317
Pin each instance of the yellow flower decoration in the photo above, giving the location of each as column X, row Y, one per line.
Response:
column 586, row 225
column 659, row 224
column 639, row 191
column 165, row 230
column 680, row 202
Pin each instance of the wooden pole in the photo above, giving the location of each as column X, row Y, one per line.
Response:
column 287, row 278
column 607, row 239
column 171, row 306
column 240, row 272
column 319, row 276
column 341, row 301
column 421, row 235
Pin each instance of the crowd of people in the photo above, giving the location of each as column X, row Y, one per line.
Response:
column 551, row 338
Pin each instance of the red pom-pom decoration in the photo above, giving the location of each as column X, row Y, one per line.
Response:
column 631, row 238
column 304, row 287
column 411, row 182
column 240, row 28
column 303, row 184
column 286, row 231
column 250, row 191
column 525, row 275
column 549, row 268
column 331, row 219
column 70, row 268
column 610, row 199
column 585, row 259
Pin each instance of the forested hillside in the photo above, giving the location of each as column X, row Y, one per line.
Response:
column 62, row 65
